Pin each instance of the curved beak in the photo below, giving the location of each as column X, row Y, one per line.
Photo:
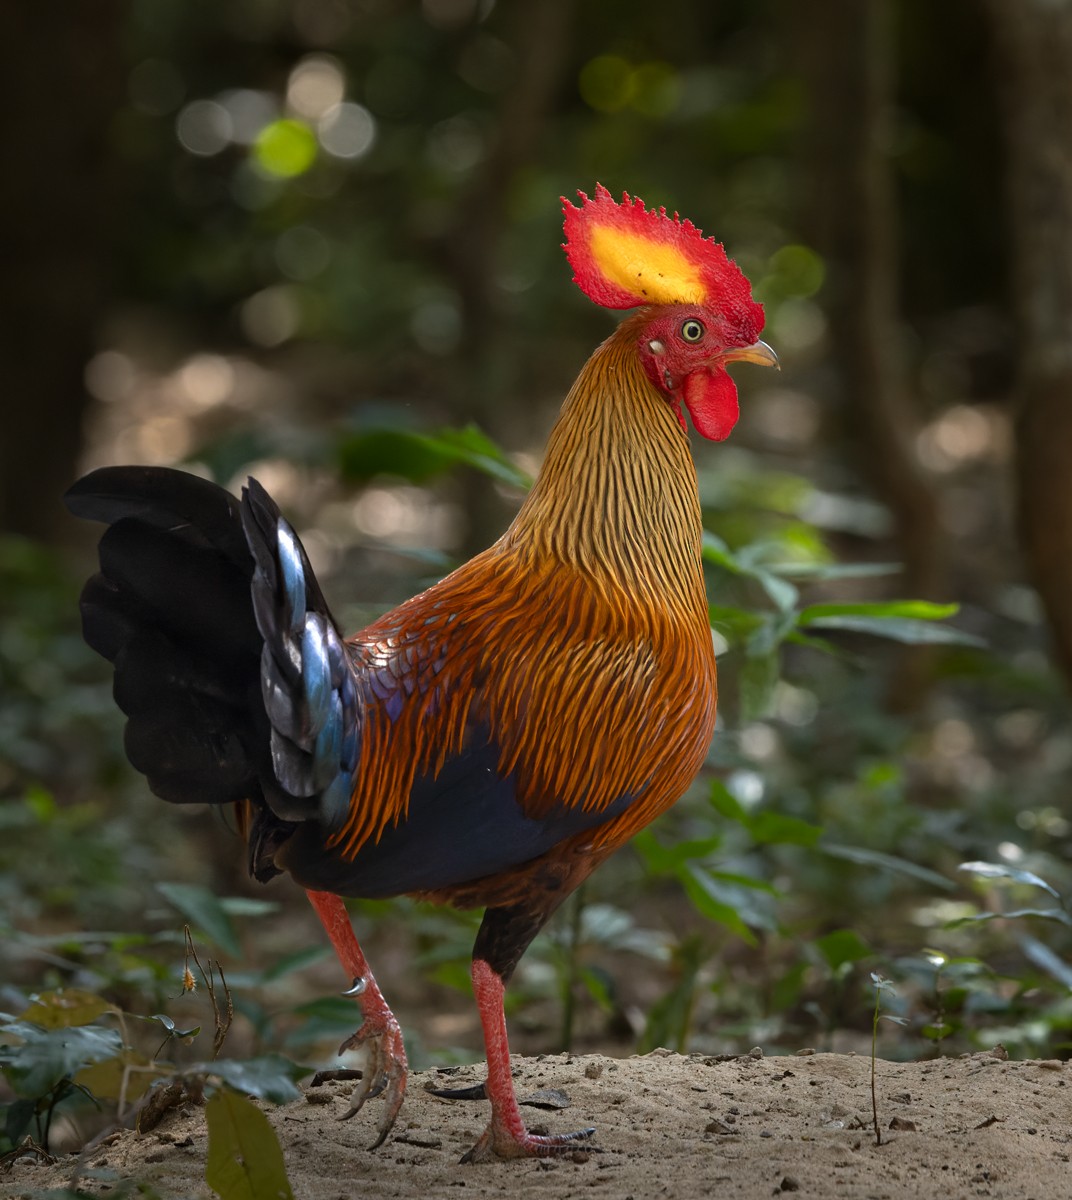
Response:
column 758, row 352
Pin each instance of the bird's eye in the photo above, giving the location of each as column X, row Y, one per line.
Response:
column 692, row 330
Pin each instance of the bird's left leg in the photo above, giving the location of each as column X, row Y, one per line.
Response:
column 503, row 937
column 386, row 1069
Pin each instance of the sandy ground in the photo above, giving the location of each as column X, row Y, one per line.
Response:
column 667, row 1125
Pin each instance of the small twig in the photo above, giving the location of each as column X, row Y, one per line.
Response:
column 221, row 1020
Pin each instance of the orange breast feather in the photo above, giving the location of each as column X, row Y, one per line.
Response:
column 589, row 696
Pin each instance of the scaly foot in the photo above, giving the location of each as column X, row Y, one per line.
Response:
column 506, row 1135
column 504, row 1139
column 385, row 1069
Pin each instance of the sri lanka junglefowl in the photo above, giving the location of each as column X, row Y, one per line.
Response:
column 491, row 741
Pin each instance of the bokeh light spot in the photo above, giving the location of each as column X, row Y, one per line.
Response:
column 655, row 89
column 270, row 317
column 110, row 376
column 316, row 85
column 204, row 127
column 206, row 380
column 606, row 83
column 455, row 145
column 285, row 148
column 250, row 111
column 799, row 270
column 347, row 130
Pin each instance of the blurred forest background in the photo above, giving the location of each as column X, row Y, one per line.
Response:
column 313, row 240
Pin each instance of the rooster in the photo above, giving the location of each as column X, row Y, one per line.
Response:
column 491, row 741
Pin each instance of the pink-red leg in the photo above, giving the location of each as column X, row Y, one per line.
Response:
column 380, row 1034
column 506, row 1135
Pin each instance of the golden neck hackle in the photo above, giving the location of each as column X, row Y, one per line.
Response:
column 617, row 496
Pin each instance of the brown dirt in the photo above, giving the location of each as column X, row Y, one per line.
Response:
column 668, row 1125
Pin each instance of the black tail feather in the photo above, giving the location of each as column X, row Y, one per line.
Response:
column 234, row 679
column 170, row 609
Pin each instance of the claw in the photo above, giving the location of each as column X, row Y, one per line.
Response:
column 501, row 1141
column 384, row 1072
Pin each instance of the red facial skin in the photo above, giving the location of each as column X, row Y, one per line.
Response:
column 693, row 372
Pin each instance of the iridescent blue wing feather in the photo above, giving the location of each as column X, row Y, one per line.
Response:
column 307, row 674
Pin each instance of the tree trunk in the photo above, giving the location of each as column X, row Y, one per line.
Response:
column 61, row 79
column 1033, row 49
column 539, row 38
column 848, row 50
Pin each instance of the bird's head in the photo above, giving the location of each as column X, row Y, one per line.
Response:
column 698, row 313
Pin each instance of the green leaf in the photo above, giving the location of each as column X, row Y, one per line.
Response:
column 48, row 1055
column 270, row 1077
column 736, row 625
column 715, row 551
column 172, row 1030
column 65, row 1007
column 724, row 901
column 738, row 880
column 765, row 827
column 898, row 629
column 781, row 591
column 841, row 947
column 886, row 862
column 296, row 961
column 245, row 1161
column 129, row 1073
column 1046, row 914
column 419, row 457
column 473, row 447
column 1042, row 956
column 778, row 829
column 937, row 1032
column 726, row 804
column 918, row 610
column 827, row 572
column 248, row 906
column 204, row 911
column 769, row 634
column 669, row 860
column 988, row 870
column 758, row 681
column 401, row 452
column 597, row 985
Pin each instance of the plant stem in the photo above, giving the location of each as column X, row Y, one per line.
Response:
column 570, row 974
column 874, row 1045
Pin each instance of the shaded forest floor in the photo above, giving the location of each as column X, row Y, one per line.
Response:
column 667, row 1125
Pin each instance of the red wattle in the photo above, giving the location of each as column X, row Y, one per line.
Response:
column 711, row 398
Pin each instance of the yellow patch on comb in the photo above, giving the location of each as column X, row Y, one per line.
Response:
column 656, row 271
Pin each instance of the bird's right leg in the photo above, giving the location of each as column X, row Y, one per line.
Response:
column 504, row 934
column 380, row 1034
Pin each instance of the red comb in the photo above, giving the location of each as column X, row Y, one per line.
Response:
column 623, row 256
